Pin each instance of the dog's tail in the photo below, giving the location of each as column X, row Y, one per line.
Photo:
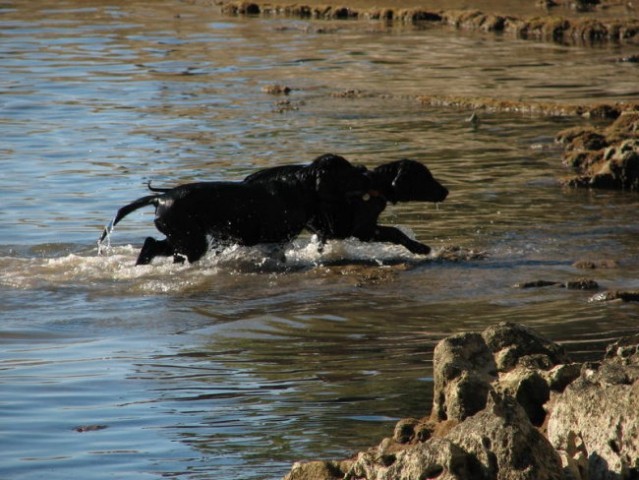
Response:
column 156, row 189
column 124, row 211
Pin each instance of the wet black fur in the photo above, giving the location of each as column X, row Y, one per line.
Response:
column 244, row 213
column 400, row 181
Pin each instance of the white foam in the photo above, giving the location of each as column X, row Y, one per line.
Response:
column 114, row 267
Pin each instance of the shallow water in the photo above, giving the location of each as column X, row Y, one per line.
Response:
column 238, row 365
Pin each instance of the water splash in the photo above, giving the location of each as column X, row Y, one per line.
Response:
column 104, row 242
column 116, row 272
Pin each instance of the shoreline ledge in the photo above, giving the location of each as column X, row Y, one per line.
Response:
column 606, row 157
column 567, row 25
column 509, row 404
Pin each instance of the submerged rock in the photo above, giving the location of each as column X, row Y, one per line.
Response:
column 537, row 284
column 579, row 284
column 605, row 263
column 618, row 295
column 277, row 89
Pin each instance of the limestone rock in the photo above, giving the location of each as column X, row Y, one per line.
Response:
column 437, row 458
column 505, row 445
column 317, row 470
column 463, row 371
column 608, row 158
column 530, row 389
column 491, row 390
column 600, row 412
column 512, row 344
column 405, row 430
column 506, row 357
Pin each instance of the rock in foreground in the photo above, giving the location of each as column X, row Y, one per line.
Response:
column 509, row 404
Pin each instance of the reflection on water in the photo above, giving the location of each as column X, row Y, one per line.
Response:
column 238, row 365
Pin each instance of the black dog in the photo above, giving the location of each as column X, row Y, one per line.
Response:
column 195, row 215
column 400, row 181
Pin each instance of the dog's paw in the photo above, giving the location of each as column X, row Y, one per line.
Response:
column 419, row 248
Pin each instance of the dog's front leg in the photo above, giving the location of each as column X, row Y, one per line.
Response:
column 396, row 236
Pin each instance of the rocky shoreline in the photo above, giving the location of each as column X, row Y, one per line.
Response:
column 510, row 404
column 549, row 24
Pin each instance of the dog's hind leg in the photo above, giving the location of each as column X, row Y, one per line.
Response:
column 193, row 248
column 153, row 248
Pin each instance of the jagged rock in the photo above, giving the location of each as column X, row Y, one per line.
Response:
column 560, row 376
column 507, row 357
column 530, row 389
column 373, row 463
column 463, row 370
column 405, row 430
column 624, row 350
column 412, row 430
column 578, row 138
column 438, row 458
column 597, row 416
column 608, row 158
column 318, row 470
column 589, row 411
column 511, row 343
column 504, row 445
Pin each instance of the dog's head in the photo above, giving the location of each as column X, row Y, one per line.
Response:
column 406, row 181
column 335, row 178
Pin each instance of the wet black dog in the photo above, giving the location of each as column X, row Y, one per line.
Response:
column 197, row 215
column 400, row 181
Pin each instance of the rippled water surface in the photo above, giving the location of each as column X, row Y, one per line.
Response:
column 238, row 365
